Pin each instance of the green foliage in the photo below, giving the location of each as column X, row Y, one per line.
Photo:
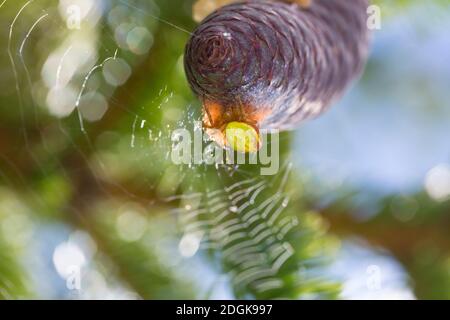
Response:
column 140, row 261
column 266, row 242
column 14, row 232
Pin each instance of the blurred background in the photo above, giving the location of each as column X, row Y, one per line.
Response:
column 91, row 206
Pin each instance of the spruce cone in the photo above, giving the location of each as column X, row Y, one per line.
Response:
column 272, row 64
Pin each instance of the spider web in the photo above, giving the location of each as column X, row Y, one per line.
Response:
column 249, row 233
